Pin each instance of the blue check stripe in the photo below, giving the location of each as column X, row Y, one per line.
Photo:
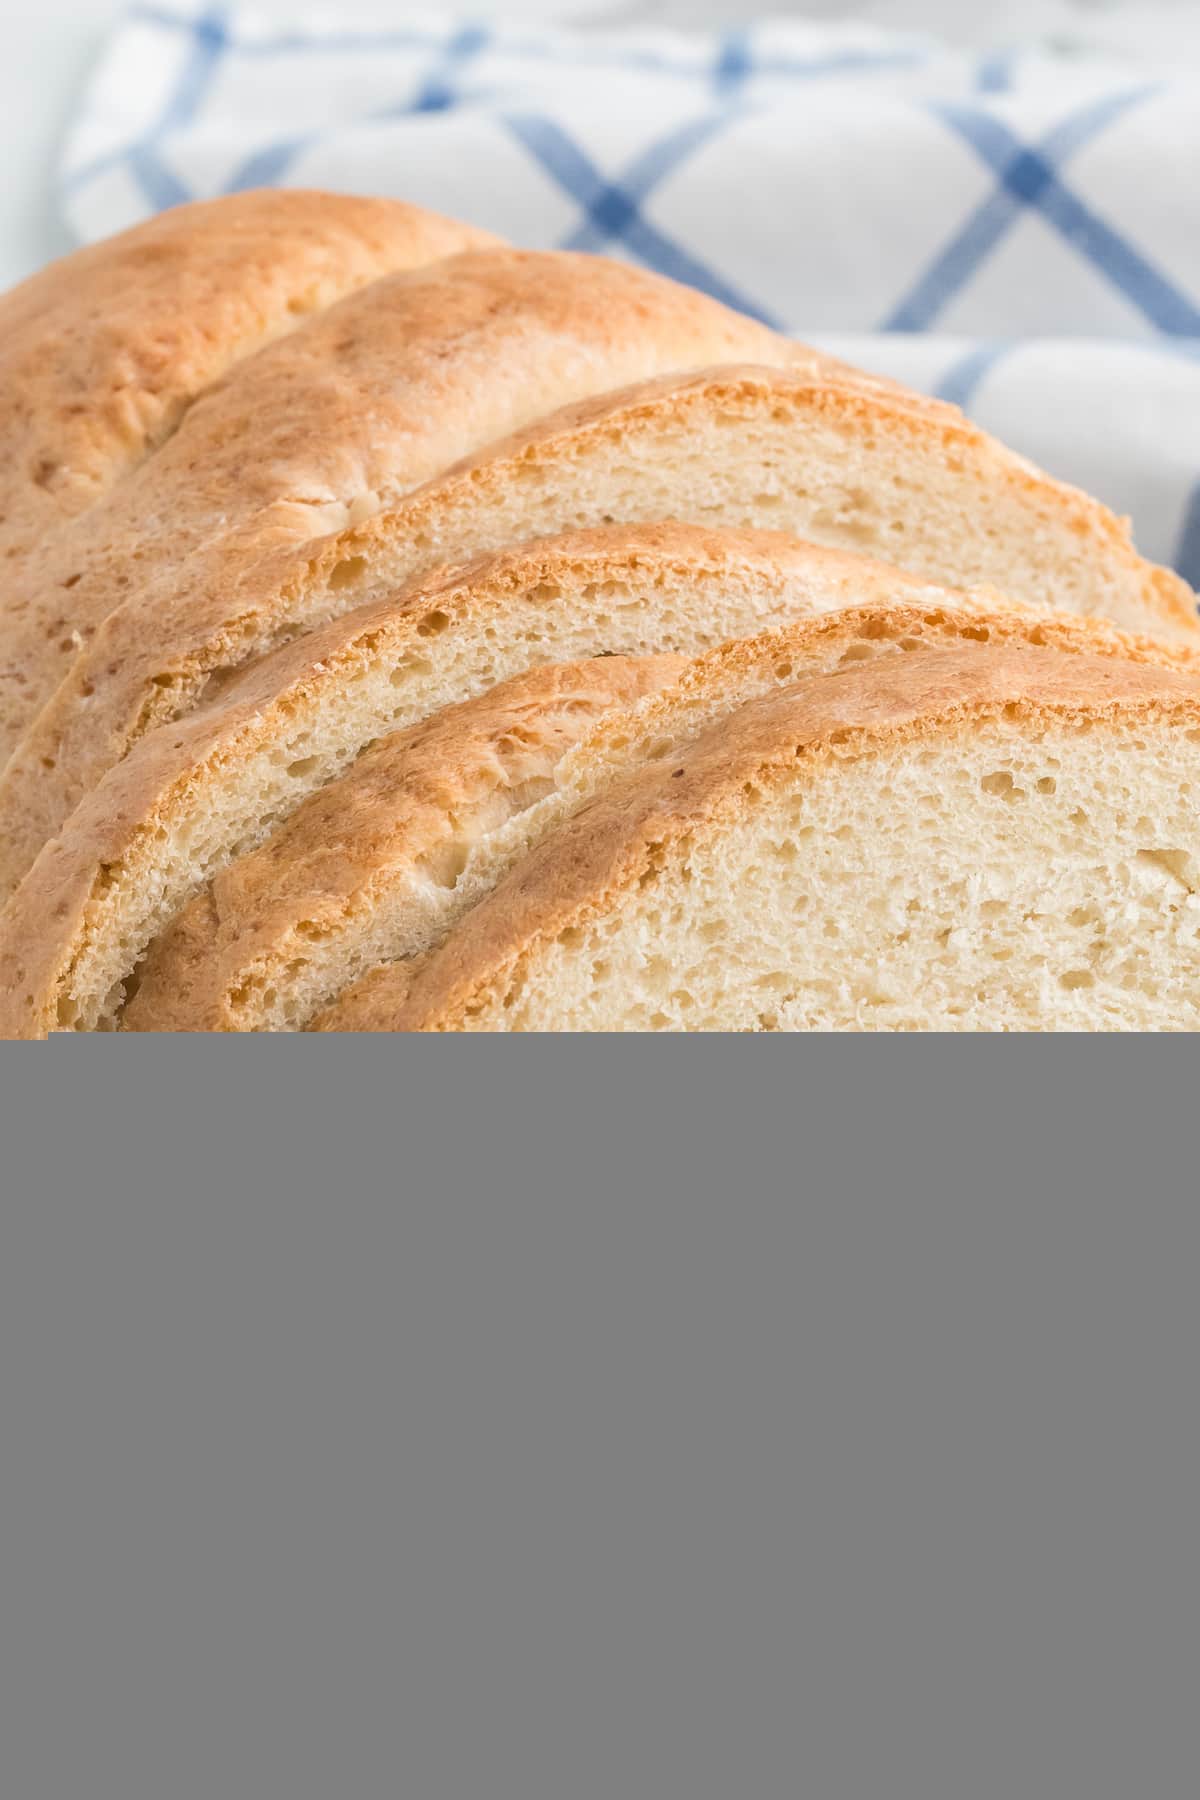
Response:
column 613, row 208
column 438, row 92
column 735, row 62
column 208, row 41
column 996, row 72
column 1030, row 179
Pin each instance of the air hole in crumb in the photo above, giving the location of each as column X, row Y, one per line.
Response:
column 1077, row 978
column 304, row 766
column 433, row 624
column 344, row 573
column 1047, row 785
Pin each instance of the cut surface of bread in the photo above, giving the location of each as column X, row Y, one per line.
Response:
column 102, row 352
column 195, row 793
column 379, row 864
column 974, row 837
column 823, row 453
column 353, row 410
column 373, row 860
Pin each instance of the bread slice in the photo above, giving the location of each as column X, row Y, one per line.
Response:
column 195, row 793
column 373, row 859
column 972, row 838
column 102, row 352
column 838, row 458
column 379, row 864
column 349, row 413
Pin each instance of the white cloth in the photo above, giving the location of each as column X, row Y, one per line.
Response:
column 1031, row 214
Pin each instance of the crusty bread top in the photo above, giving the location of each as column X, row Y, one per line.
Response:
column 606, row 848
column 407, row 802
column 102, row 352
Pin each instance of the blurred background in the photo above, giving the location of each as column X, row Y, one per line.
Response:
column 993, row 202
column 52, row 44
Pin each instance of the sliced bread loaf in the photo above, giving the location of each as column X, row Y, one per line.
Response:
column 379, row 864
column 975, row 837
column 194, row 793
column 837, row 458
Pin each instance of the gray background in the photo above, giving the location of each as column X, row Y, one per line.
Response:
column 599, row 1418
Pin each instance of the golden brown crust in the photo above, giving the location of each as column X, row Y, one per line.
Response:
column 602, row 852
column 102, row 352
column 408, row 798
column 46, row 920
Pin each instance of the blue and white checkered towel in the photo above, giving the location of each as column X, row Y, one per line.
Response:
column 1019, row 232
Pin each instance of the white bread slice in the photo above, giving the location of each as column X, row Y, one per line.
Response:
column 379, row 864
column 349, row 413
column 279, row 932
column 102, row 353
column 971, row 838
column 199, row 791
column 837, row 458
